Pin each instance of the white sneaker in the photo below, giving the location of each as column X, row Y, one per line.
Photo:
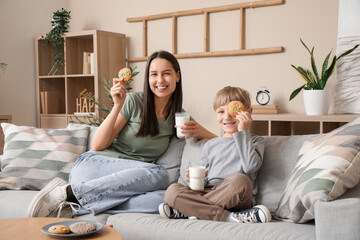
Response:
column 257, row 214
column 51, row 201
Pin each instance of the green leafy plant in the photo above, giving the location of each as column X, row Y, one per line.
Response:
column 60, row 25
column 94, row 120
column 313, row 80
column 3, row 66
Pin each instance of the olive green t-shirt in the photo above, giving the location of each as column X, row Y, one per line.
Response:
column 127, row 145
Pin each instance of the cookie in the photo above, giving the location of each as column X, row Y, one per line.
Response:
column 59, row 229
column 125, row 74
column 235, row 107
column 82, row 227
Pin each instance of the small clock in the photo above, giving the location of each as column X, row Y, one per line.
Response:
column 263, row 97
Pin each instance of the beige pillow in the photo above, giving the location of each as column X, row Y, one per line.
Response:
column 34, row 156
column 326, row 167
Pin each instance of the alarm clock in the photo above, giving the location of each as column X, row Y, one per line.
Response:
column 263, row 96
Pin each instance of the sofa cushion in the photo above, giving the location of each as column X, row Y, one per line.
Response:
column 34, row 156
column 154, row 227
column 192, row 151
column 171, row 158
column 74, row 126
column 326, row 167
column 14, row 204
column 278, row 162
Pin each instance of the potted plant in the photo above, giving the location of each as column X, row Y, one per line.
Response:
column 94, row 120
column 60, row 25
column 316, row 100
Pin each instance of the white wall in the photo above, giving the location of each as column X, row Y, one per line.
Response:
column 20, row 22
column 315, row 21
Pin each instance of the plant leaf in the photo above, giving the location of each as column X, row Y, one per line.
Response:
column 305, row 45
column 302, row 73
column 325, row 65
column 312, row 81
column 296, row 92
column 347, row 52
column 329, row 71
column 313, row 65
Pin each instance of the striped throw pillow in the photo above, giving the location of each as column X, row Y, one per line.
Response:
column 326, row 167
column 34, row 156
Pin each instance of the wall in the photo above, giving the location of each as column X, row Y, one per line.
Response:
column 315, row 21
column 281, row 25
column 20, row 22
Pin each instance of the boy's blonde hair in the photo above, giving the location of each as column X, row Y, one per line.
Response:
column 228, row 94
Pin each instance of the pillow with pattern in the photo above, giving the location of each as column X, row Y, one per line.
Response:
column 34, row 156
column 326, row 167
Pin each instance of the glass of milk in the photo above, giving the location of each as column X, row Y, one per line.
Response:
column 180, row 119
column 197, row 175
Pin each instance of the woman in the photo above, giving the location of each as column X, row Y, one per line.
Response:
column 139, row 127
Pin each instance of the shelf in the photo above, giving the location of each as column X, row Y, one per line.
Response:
column 45, row 59
column 62, row 90
column 75, row 47
column 52, row 76
column 297, row 124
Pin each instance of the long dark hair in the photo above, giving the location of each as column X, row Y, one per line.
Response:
column 149, row 122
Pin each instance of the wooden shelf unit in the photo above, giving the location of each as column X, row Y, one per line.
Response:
column 109, row 51
column 297, row 124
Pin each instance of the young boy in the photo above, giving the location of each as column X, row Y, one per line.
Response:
column 232, row 162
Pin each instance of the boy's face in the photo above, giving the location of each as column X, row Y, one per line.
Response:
column 226, row 122
column 230, row 124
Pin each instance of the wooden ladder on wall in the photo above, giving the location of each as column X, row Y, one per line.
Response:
column 206, row 12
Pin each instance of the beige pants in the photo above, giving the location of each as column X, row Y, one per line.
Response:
column 234, row 194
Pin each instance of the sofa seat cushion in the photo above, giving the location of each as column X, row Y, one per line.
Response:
column 151, row 226
column 101, row 218
column 14, row 204
column 34, row 156
column 326, row 167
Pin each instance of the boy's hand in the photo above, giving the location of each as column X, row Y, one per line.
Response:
column 188, row 174
column 245, row 120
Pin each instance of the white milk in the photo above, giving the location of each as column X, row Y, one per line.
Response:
column 197, row 177
column 180, row 119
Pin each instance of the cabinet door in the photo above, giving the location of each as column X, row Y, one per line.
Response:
column 53, row 122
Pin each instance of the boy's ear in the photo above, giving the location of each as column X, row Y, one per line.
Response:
column 250, row 110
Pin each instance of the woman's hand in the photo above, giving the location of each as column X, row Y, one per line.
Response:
column 194, row 129
column 118, row 91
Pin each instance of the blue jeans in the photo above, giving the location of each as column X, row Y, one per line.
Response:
column 113, row 185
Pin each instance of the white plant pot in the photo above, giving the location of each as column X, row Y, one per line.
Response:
column 317, row 102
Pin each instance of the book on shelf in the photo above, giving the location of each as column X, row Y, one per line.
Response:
column 265, row 109
column 49, row 101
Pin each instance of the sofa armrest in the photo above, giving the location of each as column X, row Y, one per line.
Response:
column 339, row 219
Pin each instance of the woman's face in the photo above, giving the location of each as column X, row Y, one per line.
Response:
column 162, row 78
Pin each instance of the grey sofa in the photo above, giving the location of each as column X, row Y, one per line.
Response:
column 338, row 219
